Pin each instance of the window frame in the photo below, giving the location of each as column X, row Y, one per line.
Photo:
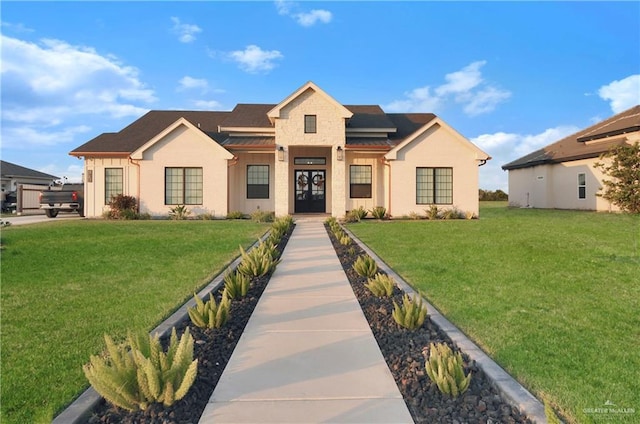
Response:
column 251, row 194
column 359, row 185
column 186, row 192
column 109, row 190
column 433, row 195
column 310, row 124
column 582, row 187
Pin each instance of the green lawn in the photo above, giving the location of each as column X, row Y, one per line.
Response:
column 553, row 296
column 65, row 284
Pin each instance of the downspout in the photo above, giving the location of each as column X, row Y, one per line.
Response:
column 230, row 163
column 386, row 162
column 482, row 162
column 137, row 165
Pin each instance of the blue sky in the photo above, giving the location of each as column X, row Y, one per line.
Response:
column 510, row 76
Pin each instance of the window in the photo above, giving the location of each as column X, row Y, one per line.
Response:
column 257, row 181
column 309, row 123
column 360, row 181
column 582, row 186
column 434, row 186
column 310, row 161
column 183, row 186
column 112, row 183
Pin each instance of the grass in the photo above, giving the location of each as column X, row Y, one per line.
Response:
column 553, row 296
column 66, row 284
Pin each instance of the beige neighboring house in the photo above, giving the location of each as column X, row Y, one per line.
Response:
column 306, row 154
column 562, row 175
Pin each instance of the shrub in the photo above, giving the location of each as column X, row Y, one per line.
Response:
column 345, row 240
column 432, row 212
column 210, row 314
column 381, row 285
column 351, row 251
column 179, row 213
column 339, row 233
column 356, row 215
column 236, row 215
column 411, row 314
column 263, row 216
column 379, row 212
column 445, row 369
column 453, row 213
column 414, row 216
column 365, row 266
column 236, row 285
column 259, row 261
column 279, row 228
column 122, row 207
column 330, row 221
column 134, row 374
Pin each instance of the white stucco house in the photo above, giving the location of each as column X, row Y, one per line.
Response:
column 307, row 154
column 562, row 174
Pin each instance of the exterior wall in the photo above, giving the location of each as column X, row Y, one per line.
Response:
column 437, row 147
column 183, row 148
column 238, row 183
column 94, row 183
column 556, row 186
column 378, row 181
column 330, row 132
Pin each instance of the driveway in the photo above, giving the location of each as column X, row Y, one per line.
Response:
column 33, row 219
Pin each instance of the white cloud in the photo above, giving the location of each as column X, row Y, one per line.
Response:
column 207, row 104
column 622, row 94
column 253, row 59
column 15, row 27
column 51, row 84
column 506, row 147
column 306, row 19
column 189, row 83
column 186, row 32
column 465, row 87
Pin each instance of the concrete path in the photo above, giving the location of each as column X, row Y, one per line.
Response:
column 307, row 354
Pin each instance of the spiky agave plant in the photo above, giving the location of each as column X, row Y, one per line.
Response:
column 381, row 285
column 446, row 370
column 365, row 266
column 236, row 284
column 411, row 314
column 210, row 314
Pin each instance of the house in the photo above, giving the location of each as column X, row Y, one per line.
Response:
column 13, row 175
column 562, row 174
column 306, row 154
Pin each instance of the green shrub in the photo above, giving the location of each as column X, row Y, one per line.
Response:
column 179, row 213
column 137, row 373
column 210, row 314
column 379, row 212
column 122, row 207
column 263, row 216
column 236, row 215
column 330, row 221
column 351, row 251
column 259, row 261
column 432, row 212
column 345, row 240
column 356, row 215
column 339, row 233
column 446, row 370
column 236, row 285
column 381, row 285
column 279, row 228
column 365, row 266
column 411, row 314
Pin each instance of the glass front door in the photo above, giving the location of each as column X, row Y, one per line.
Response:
column 310, row 191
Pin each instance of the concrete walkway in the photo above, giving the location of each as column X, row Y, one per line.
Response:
column 307, row 354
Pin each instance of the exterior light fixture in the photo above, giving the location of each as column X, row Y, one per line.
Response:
column 281, row 153
column 339, row 153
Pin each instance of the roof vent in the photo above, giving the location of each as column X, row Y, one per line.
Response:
column 198, row 124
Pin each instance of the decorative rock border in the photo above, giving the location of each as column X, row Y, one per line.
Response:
column 513, row 392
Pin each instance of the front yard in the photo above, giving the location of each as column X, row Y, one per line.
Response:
column 66, row 284
column 553, row 296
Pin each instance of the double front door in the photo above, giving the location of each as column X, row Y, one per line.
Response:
column 310, row 190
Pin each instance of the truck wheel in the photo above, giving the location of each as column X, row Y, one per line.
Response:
column 51, row 213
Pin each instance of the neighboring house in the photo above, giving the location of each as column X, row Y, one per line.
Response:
column 562, row 175
column 307, row 154
column 13, row 175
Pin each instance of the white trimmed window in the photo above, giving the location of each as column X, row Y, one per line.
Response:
column 183, row 186
column 582, row 186
column 113, row 183
column 434, row 186
column 360, row 181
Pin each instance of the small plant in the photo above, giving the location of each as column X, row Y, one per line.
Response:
column 122, row 207
column 236, row 285
column 381, row 285
column 236, row 215
column 207, row 216
column 339, row 233
column 345, row 240
column 356, row 215
column 379, row 212
column 453, row 213
column 432, row 212
column 411, row 314
column 137, row 373
column 330, row 221
column 259, row 261
column 365, row 266
column 351, row 251
column 415, row 216
column 446, row 370
column 179, row 213
column 279, row 228
column 262, row 216
column 470, row 215
column 210, row 314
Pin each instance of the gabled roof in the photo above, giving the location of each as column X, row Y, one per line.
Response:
column 588, row 143
column 8, row 170
column 248, row 116
column 275, row 112
column 369, row 117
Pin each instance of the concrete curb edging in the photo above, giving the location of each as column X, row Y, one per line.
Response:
column 514, row 392
column 80, row 409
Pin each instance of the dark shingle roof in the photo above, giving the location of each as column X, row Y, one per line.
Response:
column 249, row 116
column 408, row 123
column 575, row 146
column 8, row 169
column 368, row 116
